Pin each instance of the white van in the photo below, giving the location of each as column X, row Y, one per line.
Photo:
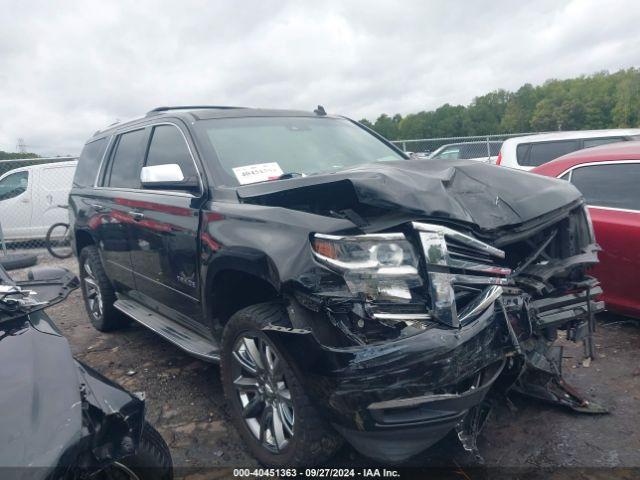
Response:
column 532, row 151
column 31, row 199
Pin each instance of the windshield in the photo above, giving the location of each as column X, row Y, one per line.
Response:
column 258, row 149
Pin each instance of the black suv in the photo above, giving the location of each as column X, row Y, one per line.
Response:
column 347, row 290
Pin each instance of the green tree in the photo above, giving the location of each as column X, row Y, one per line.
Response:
column 600, row 100
column 387, row 126
column 16, row 155
column 366, row 123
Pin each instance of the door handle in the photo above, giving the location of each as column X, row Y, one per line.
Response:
column 137, row 216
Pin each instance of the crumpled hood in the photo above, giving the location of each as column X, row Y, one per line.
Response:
column 489, row 196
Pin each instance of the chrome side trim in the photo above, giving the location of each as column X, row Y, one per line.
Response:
column 107, row 154
column 146, row 191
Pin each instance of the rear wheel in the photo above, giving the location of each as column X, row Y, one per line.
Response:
column 98, row 293
column 268, row 404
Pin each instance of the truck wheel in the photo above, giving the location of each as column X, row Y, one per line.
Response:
column 151, row 462
column 269, row 407
column 98, row 293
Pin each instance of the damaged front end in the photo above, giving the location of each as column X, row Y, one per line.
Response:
column 402, row 334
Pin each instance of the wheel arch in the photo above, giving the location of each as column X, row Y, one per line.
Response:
column 237, row 282
column 81, row 239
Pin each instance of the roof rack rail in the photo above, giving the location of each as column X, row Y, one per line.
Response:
column 158, row 110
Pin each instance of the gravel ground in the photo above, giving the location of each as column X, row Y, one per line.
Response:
column 185, row 403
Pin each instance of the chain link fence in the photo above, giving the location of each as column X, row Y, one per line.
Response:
column 453, row 148
column 33, row 197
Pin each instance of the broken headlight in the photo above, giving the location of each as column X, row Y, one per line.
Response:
column 380, row 266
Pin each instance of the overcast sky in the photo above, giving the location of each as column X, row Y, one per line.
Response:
column 70, row 68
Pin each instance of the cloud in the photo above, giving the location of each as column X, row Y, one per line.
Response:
column 68, row 69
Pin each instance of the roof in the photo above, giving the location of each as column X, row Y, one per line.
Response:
column 480, row 142
column 542, row 137
column 35, row 166
column 38, row 159
column 618, row 151
column 190, row 113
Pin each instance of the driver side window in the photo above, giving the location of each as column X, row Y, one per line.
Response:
column 13, row 185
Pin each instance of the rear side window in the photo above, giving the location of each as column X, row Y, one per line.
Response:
column 126, row 161
column 594, row 142
column 89, row 163
column 534, row 154
column 168, row 146
column 13, row 185
column 613, row 185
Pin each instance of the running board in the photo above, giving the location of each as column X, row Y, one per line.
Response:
column 184, row 338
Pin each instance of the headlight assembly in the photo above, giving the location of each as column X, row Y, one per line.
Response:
column 380, row 266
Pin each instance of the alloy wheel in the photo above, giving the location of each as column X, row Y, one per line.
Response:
column 263, row 393
column 92, row 291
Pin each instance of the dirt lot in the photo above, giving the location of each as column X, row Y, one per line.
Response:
column 185, row 403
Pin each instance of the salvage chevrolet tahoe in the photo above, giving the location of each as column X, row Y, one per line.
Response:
column 347, row 291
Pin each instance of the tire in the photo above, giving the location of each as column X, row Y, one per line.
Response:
column 54, row 249
column 305, row 438
column 18, row 260
column 98, row 292
column 151, row 462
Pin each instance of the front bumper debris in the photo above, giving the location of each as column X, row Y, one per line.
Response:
column 487, row 327
column 391, row 401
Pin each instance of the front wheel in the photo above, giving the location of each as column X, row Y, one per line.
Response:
column 268, row 404
column 151, row 462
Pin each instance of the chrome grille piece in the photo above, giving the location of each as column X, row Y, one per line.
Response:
column 453, row 258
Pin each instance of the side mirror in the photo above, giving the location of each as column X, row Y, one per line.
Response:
column 168, row 176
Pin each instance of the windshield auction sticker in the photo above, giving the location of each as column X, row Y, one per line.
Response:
column 260, row 172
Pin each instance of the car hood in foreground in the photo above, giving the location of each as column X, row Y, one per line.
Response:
column 50, row 403
column 488, row 196
column 40, row 399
